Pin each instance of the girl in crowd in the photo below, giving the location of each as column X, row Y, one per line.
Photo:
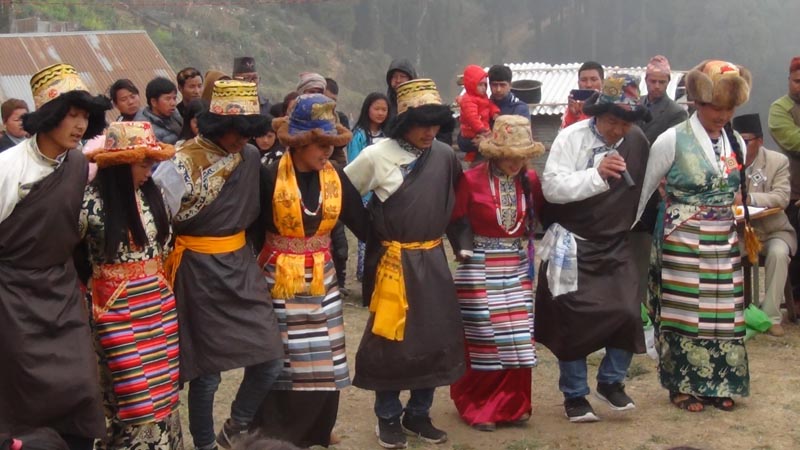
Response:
column 500, row 200
column 304, row 196
column 368, row 131
column 126, row 231
column 268, row 145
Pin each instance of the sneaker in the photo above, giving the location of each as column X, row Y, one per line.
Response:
column 614, row 394
column 390, row 433
column 578, row 410
column 231, row 432
column 422, row 427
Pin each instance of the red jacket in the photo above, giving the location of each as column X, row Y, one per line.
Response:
column 476, row 109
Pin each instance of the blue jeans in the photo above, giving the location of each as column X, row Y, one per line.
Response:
column 572, row 381
column 388, row 405
column 255, row 385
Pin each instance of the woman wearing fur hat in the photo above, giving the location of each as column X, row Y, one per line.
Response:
column 126, row 232
column 500, row 200
column 303, row 196
column 700, row 318
column 49, row 375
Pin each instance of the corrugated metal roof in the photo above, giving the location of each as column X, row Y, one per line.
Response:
column 101, row 57
column 558, row 79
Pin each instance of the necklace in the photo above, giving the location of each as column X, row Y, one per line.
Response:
column 521, row 204
column 305, row 210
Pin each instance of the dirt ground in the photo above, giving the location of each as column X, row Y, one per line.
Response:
column 767, row 419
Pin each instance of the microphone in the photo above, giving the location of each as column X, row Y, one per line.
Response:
column 625, row 175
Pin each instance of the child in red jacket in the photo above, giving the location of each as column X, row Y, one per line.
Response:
column 477, row 110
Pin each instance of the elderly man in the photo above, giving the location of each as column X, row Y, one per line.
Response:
column 587, row 293
column 244, row 69
column 590, row 76
column 768, row 186
column 784, row 125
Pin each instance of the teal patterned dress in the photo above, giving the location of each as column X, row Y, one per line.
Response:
column 696, row 275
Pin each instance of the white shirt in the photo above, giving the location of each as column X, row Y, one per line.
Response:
column 568, row 174
column 662, row 156
column 21, row 167
column 377, row 168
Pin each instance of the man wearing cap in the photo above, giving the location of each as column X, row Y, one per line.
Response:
column 49, row 367
column 784, row 125
column 500, row 85
column 225, row 312
column 244, row 69
column 414, row 337
column 587, row 298
column 768, row 186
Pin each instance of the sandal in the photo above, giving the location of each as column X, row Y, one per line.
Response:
column 721, row 403
column 688, row 403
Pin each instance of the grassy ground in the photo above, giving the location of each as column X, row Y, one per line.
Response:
column 765, row 420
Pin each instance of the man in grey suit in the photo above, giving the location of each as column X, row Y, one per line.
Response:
column 768, row 186
column 665, row 113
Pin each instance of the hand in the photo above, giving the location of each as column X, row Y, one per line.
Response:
column 611, row 167
column 662, row 188
column 575, row 106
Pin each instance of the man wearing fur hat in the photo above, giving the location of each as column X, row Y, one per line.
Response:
column 414, row 337
column 224, row 308
column 49, row 367
column 768, row 186
column 696, row 287
column 587, row 294
column 784, row 125
column 244, row 69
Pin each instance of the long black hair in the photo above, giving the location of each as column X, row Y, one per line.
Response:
column 121, row 214
column 363, row 121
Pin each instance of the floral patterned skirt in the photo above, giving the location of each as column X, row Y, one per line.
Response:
column 703, row 367
column 161, row 435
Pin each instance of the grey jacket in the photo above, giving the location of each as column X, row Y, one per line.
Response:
column 167, row 130
column 768, row 187
column 666, row 114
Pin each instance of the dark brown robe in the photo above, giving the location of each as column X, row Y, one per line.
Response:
column 48, row 368
column 224, row 306
column 604, row 311
column 432, row 352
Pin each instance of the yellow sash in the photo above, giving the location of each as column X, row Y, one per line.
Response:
column 287, row 215
column 389, row 301
column 207, row 245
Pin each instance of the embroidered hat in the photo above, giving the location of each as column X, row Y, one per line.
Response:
column 617, row 97
column 310, row 80
column 658, row 64
column 244, row 64
column 794, row 64
column 234, row 98
column 419, row 103
column 720, row 83
column 311, row 119
column 52, row 81
column 748, row 123
column 130, row 143
column 416, row 93
column 511, row 138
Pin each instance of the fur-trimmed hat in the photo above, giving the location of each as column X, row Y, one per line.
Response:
column 55, row 89
column 312, row 119
column 234, row 105
column 419, row 103
column 511, row 138
column 616, row 98
column 130, row 143
column 720, row 83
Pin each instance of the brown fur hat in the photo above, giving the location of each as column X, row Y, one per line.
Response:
column 511, row 138
column 130, row 143
column 720, row 83
column 312, row 119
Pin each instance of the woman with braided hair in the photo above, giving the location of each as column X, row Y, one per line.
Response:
column 499, row 200
column 696, row 278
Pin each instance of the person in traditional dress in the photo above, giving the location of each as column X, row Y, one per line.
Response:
column 414, row 338
column 697, row 287
column 586, row 299
column 303, row 196
column 500, row 199
column 126, row 233
column 224, row 310
column 49, row 369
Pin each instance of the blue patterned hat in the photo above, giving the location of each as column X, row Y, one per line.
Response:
column 616, row 97
column 312, row 119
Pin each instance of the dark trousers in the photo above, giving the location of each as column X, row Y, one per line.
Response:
column 388, row 405
column 794, row 265
column 255, row 385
